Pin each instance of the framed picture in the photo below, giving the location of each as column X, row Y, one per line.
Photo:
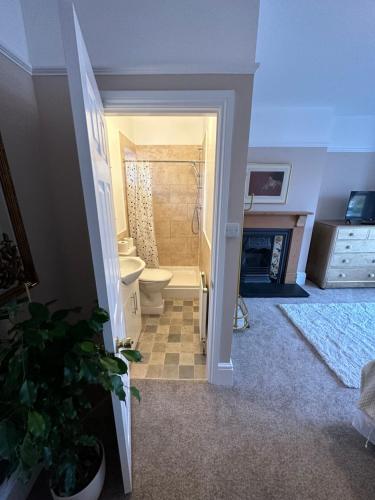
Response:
column 267, row 182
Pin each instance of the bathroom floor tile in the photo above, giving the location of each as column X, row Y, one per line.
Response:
column 174, row 337
column 157, row 358
column 186, row 372
column 186, row 358
column 173, row 347
column 145, row 358
column 138, row 370
column 145, row 347
column 154, row 371
column 151, row 328
column 187, row 337
column 158, row 347
column 171, row 359
column 163, row 329
column 200, row 372
column 175, row 329
column 199, row 359
column 170, row 372
column 170, row 344
column 161, row 337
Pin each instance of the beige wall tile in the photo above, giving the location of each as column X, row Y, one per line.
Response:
column 180, row 228
column 160, row 193
column 183, row 193
column 162, row 228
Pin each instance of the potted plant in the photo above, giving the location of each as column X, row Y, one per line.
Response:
column 47, row 364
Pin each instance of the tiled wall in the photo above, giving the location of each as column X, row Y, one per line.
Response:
column 174, row 196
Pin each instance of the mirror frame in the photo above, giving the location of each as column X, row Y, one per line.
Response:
column 6, row 182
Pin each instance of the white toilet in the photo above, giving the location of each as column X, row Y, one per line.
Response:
column 151, row 281
column 151, row 284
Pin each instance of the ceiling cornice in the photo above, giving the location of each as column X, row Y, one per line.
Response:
column 15, row 59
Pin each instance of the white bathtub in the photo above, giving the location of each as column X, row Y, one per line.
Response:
column 184, row 284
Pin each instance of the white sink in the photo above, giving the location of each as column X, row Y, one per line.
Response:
column 130, row 269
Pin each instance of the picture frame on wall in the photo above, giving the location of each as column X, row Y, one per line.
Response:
column 267, row 182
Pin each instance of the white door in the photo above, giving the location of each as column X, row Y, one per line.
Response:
column 90, row 133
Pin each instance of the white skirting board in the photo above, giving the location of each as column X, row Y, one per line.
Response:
column 224, row 374
column 301, row 278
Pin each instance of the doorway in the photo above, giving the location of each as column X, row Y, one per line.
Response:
column 163, row 181
column 219, row 104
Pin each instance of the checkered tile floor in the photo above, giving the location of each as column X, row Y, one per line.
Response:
column 170, row 344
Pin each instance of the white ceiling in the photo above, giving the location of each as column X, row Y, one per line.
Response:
column 161, row 130
column 150, row 35
column 317, row 53
column 316, row 82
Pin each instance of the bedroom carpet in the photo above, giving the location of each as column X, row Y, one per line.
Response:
column 343, row 334
column 283, row 432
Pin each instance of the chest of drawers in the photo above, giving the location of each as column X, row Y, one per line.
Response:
column 342, row 255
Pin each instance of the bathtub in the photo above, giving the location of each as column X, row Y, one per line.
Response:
column 184, row 284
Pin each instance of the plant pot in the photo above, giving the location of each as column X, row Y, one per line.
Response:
column 93, row 490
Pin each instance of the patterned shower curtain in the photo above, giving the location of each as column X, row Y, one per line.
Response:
column 140, row 211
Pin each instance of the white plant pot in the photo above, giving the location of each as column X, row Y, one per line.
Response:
column 93, row 489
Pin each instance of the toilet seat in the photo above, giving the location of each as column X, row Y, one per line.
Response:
column 155, row 275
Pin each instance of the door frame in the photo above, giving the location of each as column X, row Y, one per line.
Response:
column 221, row 103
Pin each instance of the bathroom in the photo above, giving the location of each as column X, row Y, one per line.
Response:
column 163, row 180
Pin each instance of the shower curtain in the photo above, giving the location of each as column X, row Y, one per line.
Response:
column 140, row 211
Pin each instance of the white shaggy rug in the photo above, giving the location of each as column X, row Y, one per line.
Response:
column 343, row 334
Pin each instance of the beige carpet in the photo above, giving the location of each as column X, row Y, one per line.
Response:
column 282, row 433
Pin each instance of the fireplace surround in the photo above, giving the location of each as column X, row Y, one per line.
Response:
column 271, row 250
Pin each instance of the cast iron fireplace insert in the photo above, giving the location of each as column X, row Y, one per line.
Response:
column 264, row 261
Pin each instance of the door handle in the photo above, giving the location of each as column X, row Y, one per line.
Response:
column 123, row 343
column 136, row 301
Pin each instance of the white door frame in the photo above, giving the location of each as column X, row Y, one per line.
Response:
column 193, row 102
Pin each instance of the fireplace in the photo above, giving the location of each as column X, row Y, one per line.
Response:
column 271, row 249
column 264, row 255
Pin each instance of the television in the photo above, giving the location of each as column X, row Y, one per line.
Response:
column 361, row 207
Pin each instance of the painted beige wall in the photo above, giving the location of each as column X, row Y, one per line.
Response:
column 19, row 125
column 58, row 135
column 304, row 186
column 70, row 226
column 344, row 172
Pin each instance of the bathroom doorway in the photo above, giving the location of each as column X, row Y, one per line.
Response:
column 163, row 183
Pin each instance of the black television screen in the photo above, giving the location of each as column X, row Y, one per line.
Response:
column 361, row 207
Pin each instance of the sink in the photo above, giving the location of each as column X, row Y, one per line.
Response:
column 130, row 269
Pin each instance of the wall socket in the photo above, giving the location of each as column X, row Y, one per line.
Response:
column 232, row 230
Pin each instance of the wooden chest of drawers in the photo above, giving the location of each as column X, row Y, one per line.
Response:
column 342, row 255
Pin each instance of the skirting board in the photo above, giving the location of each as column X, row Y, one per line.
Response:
column 224, row 374
column 301, row 278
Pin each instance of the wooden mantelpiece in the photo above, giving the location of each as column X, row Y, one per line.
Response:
column 282, row 220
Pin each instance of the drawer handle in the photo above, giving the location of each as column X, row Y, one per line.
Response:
column 351, row 234
column 342, row 275
column 348, row 246
column 371, row 275
column 373, row 261
column 345, row 261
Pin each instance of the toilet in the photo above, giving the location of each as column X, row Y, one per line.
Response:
column 151, row 284
column 151, row 281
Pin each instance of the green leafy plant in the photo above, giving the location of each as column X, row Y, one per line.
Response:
column 47, row 364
